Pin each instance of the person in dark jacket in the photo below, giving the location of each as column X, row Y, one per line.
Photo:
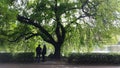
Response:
column 44, row 52
column 38, row 53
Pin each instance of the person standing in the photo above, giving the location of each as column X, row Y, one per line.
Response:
column 38, row 53
column 44, row 52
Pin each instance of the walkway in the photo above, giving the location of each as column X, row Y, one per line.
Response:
column 51, row 64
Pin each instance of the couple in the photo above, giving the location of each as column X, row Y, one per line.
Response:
column 40, row 51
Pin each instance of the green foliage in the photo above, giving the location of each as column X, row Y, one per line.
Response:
column 82, row 34
column 95, row 32
column 7, row 19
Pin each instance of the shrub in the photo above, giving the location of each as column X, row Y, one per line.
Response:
column 24, row 57
column 17, row 57
column 6, row 57
column 94, row 58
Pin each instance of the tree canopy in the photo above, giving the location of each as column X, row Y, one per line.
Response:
column 73, row 23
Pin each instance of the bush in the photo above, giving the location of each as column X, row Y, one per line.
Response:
column 24, row 57
column 17, row 57
column 94, row 58
column 6, row 57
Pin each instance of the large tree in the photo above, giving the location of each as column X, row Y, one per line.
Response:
column 87, row 22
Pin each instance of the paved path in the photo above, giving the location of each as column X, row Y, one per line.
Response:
column 51, row 64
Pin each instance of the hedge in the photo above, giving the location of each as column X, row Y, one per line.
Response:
column 17, row 57
column 24, row 57
column 94, row 58
column 6, row 57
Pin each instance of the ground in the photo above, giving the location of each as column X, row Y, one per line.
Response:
column 52, row 64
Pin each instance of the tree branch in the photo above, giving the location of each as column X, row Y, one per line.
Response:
column 83, row 5
column 86, row 13
column 25, row 20
column 82, row 16
column 72, row 8
column 57, row 31
column 20, row 36
column 32, row 35
column 63, row 33
column 80, row 7
column 91, row 6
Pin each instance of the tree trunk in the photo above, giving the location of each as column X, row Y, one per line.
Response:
column 57, row 54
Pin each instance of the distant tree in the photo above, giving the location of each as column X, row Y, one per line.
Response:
column 85, row 22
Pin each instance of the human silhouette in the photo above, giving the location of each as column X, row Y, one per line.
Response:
column 38, row 53
column 44, row 52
